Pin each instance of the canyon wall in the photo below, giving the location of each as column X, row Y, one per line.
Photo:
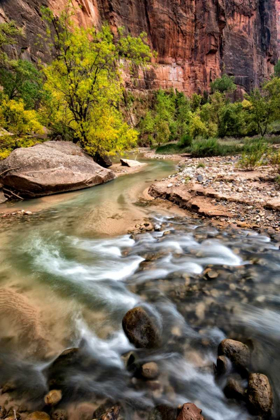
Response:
column 196, row 40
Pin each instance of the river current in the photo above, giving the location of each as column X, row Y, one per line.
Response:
column 69, row 275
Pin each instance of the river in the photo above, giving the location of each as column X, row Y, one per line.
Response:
column 69, row 274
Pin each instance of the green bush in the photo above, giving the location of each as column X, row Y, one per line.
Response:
column 212, row 147
column 255, row 152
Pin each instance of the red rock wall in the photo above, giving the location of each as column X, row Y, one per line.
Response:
column 195, row 39
column 278, row 24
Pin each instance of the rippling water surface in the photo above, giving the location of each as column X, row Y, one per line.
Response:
column 65, row 284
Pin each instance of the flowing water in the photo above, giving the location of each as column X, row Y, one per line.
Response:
column 69, row 275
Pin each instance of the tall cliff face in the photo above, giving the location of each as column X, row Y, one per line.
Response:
column 195, row 39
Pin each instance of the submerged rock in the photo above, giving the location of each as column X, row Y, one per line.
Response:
column 163, row 412
column 38, row 415
column 59, row 415
column 51, row 168
column 141, row 329
column 238, row 353
column 53, row 397
column 260, row 395
column 223, row 365
column 150, row 370
column 190, row 412
column 234, row 389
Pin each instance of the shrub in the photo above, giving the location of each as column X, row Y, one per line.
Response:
column 9, row 143
column 254, row 154
column 15, row 118
column 223, row 84
column 186, row 141
column 206, row 148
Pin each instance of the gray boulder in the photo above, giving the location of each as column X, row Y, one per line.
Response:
column 51, row 168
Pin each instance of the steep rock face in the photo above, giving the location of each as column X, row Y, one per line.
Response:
column 195, row 39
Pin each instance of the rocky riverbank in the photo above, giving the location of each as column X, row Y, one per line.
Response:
column 217, row 188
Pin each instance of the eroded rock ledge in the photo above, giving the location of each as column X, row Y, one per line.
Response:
column 217, row 188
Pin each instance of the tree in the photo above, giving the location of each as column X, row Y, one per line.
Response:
column 277, row 69
column 224, row 84
column 8, row 35
column 260, row 110
column 21, row 80
column 85, row 83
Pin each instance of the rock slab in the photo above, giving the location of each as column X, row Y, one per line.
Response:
column 51, row 168
column 190, row 412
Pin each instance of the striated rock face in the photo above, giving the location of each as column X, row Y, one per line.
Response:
column 195, row 39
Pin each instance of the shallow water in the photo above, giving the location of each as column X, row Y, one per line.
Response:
column 67, row 281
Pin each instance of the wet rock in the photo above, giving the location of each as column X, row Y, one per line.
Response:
column 113, row 413
column 238, row 353
column 140, row 329
column 59, row 415
column 56, row 372
column 210, row 274
column 163, row 412
column 260, row 395
column 38, row 415
column 190, row 412
column 8, row 387
column 53, row 397
column 234, row 389
column 3, row 412
column 150, row 370
column 223, row 365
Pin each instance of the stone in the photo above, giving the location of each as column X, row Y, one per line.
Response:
column 51, row 168
column 53, row 397
column 150, row 370
column 131, row 163
column 3, row 199
column 260, row 395
column 190, row 412
column 56, row 371
column 112, row 413
column 223, row 365
column 38, row 415
column 59, row 415
column 141, row 329
column 3, row 412
column 238, row 353
column 199, row 178
column 103, row 160
column 234, row 389
column 163, row 412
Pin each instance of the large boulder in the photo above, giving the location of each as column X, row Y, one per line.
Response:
column 141, row 329
column 131, row 163
column 260, row 395
column 51, row 168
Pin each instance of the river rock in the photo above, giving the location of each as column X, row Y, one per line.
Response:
column 223, row 365
column 56, row 371
column 53, row 397
column 51, row 168
column 163, row 412
column 38, row 415
column 150, row 370
column 238, row 353
column 113, row 413
column 141, row 329
column 234, row 389
column 103, row 160
column 190, row 412
column 131, row 163
column 260, row 395
column 59, row 415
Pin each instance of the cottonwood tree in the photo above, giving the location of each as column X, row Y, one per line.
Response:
column 85, row 81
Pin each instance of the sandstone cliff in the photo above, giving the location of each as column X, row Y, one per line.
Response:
column 195, row 39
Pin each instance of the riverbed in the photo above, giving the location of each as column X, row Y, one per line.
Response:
column 70, row 273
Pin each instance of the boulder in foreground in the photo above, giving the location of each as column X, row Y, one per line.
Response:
column 140, row 329
column 51, row 168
